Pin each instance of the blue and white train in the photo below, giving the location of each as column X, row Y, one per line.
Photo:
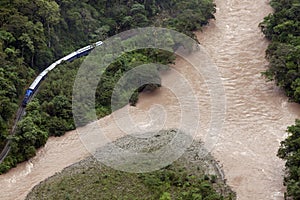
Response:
column 76, row 54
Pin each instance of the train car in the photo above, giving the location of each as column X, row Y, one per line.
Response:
column 44, row 73
column 84, row 51
column 33, row 87
column 27, row 97
column 70, row 57
column 99, row 43
column 36, row 82
column 52, row 66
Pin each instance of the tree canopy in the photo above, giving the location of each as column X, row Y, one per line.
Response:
column 290, row 151
column 283, row 29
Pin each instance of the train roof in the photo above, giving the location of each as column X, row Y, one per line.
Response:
column 52, row 66
column 36, row 82
column 66, row 58
column 99, row 43
column 86, row 48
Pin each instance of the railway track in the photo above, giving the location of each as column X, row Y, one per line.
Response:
column 34, row 87
column 6, row 149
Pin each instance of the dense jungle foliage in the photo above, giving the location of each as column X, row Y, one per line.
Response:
column 33, row 34
column 290, row 151
column 283, row 29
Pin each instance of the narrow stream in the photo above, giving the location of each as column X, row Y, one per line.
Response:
column 257, row 112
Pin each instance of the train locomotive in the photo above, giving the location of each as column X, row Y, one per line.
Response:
column 70, row 57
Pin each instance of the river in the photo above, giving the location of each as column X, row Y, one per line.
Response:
column 257, row 112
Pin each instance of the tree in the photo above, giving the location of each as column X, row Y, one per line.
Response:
column 283, row 28
column 165, row 196
column 290, row 151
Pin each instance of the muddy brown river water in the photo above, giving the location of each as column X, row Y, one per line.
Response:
column 257, row 112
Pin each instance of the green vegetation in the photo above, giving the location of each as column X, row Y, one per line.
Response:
column 290, row 151
column 187, row 178
column 35, row 33
column 50, row 113
column 94, row 183
column 283, row 29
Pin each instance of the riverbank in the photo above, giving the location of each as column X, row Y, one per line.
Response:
column 92, row 180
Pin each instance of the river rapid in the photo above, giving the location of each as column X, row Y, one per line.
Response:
column 257, row 112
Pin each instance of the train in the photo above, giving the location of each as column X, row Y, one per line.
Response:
column 70, row 57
